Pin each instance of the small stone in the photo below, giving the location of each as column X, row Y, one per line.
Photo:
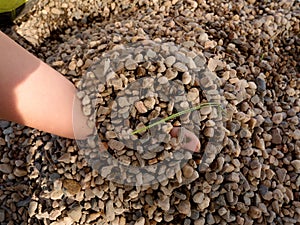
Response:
column 4, row 124
column 93, row 216
column 79, row 63
column 213, row 64
column 198, row 197
column 261, row 84
column 32, row 208
column 86, row 100
column 2, row 215
column 193, row 94
column 210, row 44
column 205, row 110
column 170, row 60
column 19, row 163
column 163, row 80
column 72, row 186
column 281, row 174
column 296, row 165
column 54, row 214
column 184, row 207
column 277, row 118
column 254, row 212
column 180, row 67
column 19, row 172
column 116, row 145
column 123, row 101
column 296, row 134
column 277, row 194
column 187, row 171
column 203, row 37
column 206, row 82
column 268, row 196
column 56, row 11
column 131, row 64
column 110, row 211
column 186, row 78
column 139, row 105
column 164, row 202
column 5, row 168
column 66, row 158
column 204, row 204
column 87, row 110
column 56, row 194
column 72, row 65
column 233, row 177
column 75, row 213
column 222, row 211
column 149, row 102
column 200, row 221
column 276, row 136
column 171, row 74
column 209, row 132
column 140, row 221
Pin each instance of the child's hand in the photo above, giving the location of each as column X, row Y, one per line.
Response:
column 192, row 143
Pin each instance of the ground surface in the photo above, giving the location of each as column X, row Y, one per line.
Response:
column 252, row 47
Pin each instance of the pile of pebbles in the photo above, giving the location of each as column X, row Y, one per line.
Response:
column 250, row 48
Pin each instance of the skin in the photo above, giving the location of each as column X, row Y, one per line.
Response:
column 35, row 95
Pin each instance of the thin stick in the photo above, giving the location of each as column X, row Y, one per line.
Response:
column 176, row 115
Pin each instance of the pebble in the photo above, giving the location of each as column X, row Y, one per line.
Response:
column 149, row 102
column 32, row 208
column 116, row 145
column 204, row 204
column 276, row 136
column 261, row 84
column 6, row 168
column 139, row 105
column 296, row 134
column 180, row 67
column 198, row 197
column 75, row 213
column 131, row 64
column 169, row 61
column 19, row 172
column 140, row 221
column 56, row 194
column 277, row 118
column 193, row 94
column 184, row 207
column 187, row 171
column 72, row 186
column 254, row 212
column 171, row 74
column 281, row 174
column 110, row 211
column 186, row 78
column 296, row 165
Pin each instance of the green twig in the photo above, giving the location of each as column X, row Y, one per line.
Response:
column 177, row 115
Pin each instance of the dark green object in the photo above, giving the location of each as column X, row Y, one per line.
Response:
column 10, row 9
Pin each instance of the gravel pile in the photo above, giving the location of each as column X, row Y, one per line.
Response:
column 242, row 55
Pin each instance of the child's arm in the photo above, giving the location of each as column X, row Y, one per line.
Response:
column 34, row 94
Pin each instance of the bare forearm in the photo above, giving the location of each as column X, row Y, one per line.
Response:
column 34, row 94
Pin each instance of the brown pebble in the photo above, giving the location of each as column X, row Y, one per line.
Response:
column 72, row 186
column 187, row 171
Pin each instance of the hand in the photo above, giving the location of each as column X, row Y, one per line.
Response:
column 192, row 142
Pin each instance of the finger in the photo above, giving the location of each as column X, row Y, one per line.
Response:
column 192, row 143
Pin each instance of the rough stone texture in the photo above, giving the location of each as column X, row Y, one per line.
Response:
column 252, row 178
